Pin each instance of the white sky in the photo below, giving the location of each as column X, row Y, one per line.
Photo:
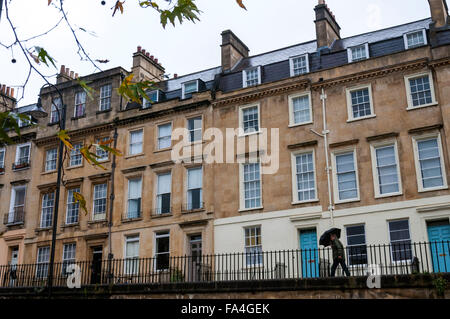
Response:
column 187, row 48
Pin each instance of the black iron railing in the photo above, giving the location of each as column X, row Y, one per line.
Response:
column 388, row 259
column 17, row 216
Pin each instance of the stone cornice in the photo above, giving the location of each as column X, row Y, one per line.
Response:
column 260, row 93
column 74, row 134
column 410, row 65
column 441, row 62
column 344, row 143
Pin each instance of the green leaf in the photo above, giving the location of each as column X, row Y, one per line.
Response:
column 62, row 135
column 134, row 91
column 43, row 56
column 86, row 88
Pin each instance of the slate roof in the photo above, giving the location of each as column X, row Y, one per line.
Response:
column 275, row 63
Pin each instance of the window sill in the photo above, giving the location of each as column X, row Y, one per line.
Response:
column 243, row 210
column 42, row 229
column 411, row 108
column 192, row 211
column 162, row 215
column 21, row 169
column 433, row 189
column 248, row 134
column 163, row 150
column 130, row 220
column 70, row 225
column 134, row 155
column 48, row 172
column 361, row 118
column 347, row 201
column 74, row 167
column 78, row 117
column 388, row 195
column 300, row 124
column 305, row 201
column 104, row 111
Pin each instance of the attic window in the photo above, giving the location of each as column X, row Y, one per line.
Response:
column 154, row 98
column 415, row 39
column 251, row 77
column 358, row 53
column 189, row 87
column 299, row 65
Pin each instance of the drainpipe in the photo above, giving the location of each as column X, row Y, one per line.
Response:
column 324, row 134
column 111, row 208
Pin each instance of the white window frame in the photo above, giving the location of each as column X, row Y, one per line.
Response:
column 244, row 76
column 2, row 162
column 335, row 179
column 291, row 64
column 146, row 103
column 41, row 223
column 158, row 209
column 19, row 146
column 189, row 189
column 11, row 212
column 83, row 94
column 408, row 90
column 99, row 150
column 68, row 206
column 68, row 261
column 356, row 266
column 417, row 138
column 42, row 264
column 198, row 129
column 55, row 109
column 158, row 235
column 348, row 93
column 291, row 108
column 295, row 199
column 128, row 198
column 129, row 142
column 81, row 156
column 106, row 97
column 376, row 184
column 405, row 39
column 400, row 262
column 99, row 216
column 254, row 255
column 183, row 88
column 158, row 137
column 350, row 55
column 241, row 119
column 47, row 160
column 242, row 207
column 131, row 262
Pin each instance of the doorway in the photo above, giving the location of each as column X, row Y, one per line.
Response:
column 439, row 237
column 96, row 266
column 195, row 259
column 309, row 255
column 14, row 260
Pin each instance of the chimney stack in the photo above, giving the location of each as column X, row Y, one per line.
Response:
column 439, row 13
column 327, row 29
column 65, row 75
column 8, row 94
column 233, row 50
column 145, row 67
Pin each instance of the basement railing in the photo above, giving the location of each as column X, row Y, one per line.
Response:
column 362, row 260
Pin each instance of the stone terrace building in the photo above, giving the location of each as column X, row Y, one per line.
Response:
column 375, row 107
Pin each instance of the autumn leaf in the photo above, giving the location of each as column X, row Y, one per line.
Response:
column 62, row 135
column 241, row 4
column 49, row 2
column 118, row 6
column 86, row 88
column 134, row 91
column 78, row 198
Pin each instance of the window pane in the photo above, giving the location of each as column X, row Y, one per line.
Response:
column 190, row 87
column 105, row 97
column 346, row 176
column 387, row 169
column 75, row 155
column 136, row 142
column 252, row 185
column 72, row 206
column 301, row 109
column 299, row 65
column 360, row 103
column 47, row 209
column 253, row 247
column 359, row 53
column 50, row 159
column 252, row 77
column 415, row 39
column 250, row 119
column 430, row 163
column 420, row 90
column 305, row 177
column 164, row 135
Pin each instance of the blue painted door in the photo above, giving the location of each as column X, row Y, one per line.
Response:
column 309, row 253
column 439, row 237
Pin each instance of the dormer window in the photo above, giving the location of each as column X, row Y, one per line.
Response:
column 251, row 77
column 415, row 39
column 358, row 53
column 189, row 87
column 299, row 65
column 154, row 98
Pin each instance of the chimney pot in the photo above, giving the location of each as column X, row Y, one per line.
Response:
column 156, row 60
column 139, row 48
column 147, row 55
column 151, row 57
column 7, row 91
column 175, row 75
column 71, row 74
column 12, row 92
column 67, row 71
column 76, row 75
column 143, row 51
column 63, row 69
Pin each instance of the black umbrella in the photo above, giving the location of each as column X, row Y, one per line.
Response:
column 325, row 239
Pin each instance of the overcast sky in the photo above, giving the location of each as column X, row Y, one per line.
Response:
column 187, row 48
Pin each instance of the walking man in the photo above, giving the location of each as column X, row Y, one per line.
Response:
column 338, row 255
